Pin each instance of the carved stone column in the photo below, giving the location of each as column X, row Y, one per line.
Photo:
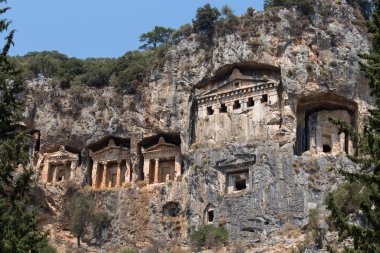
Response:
column 177, row 166
column 54, row 176
column 104, row 176
column 45, row 172
column 156, row 165
column 127, row 171
column 73, row 169
column 230, row 105
column 118, row 173
column 146, row 169
column 95, row 174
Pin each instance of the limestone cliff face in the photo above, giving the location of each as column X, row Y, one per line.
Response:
column 284, row 152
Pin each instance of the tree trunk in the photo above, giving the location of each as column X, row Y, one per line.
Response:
column 78, row 241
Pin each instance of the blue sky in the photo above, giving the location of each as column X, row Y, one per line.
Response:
column 95, row 28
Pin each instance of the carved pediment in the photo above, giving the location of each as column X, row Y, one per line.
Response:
column 162, row 149
column 61, row 155
column 110, row 153
column 162, row 145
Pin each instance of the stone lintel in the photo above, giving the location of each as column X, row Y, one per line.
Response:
column 229, row 168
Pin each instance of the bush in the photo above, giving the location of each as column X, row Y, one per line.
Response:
column 182, row 33
column 100, row 221
column 209, row 236
column 365, row 6
column 48, row 249
column 127, row 250
column 304, row 6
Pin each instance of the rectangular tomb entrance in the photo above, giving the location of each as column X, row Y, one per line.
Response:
column 237, row 175
column 111, row 162
column 59, row 165
column 162, row 162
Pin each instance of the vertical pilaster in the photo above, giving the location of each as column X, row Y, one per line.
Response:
column 95, row 174
column 128, row 171
column 73, row 168
column 45, row 172
column 104, row 176
column 156, row 166
column 118, row 173
column 177, row 166
column 146, row 169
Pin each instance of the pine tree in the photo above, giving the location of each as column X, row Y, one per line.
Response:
column 18, row 225
column 355, row 205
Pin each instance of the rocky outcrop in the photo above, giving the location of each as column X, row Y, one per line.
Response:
column 317, row 62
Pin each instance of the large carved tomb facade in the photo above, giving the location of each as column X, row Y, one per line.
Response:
column 111, row 162
column 239, row 103
column 315, row 132
column 59, row 165
column 162, row 162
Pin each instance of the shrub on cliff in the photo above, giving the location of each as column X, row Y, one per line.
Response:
column 304, row 6
column 209, row 236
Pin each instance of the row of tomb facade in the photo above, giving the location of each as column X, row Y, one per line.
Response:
column 248, row 93
column 111, row 165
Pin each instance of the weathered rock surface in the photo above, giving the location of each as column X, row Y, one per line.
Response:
column 317, row 57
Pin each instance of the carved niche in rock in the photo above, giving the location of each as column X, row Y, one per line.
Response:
column 236, row 103
column 111, row 162
column 162, row 162
column 315, row 132
column 237, row 176
column 59, row 165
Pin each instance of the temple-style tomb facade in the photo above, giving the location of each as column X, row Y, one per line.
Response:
column 59, row 165
column 111, row 162
column 162, row 162
column 240, row 102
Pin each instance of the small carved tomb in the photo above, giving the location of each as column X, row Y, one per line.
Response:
column 60, row 165
column 162, row 162
column 111, row 163
column 237, row 175
column 209, row 214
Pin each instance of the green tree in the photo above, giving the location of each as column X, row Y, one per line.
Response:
column 18, row 224
column 304, row 6
column 208, row 236
column 356, row 213
column 81, row 214
column 228, row 21
column 100, row 222
column 204, row 22
column 365, row 6
column 182, row 33
column 159, row 35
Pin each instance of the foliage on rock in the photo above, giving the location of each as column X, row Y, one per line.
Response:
column 18, row 224
column 355, row 209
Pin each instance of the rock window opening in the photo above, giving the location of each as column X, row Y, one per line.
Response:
column 171, row 209
column 237, row 105
column 210, row 215
column 327, row 144
column 326, row 148
column 264, row 98
column 210, row 111
column 223, row 108
column 250, row 102
column 240, row 183
column 237, row 84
